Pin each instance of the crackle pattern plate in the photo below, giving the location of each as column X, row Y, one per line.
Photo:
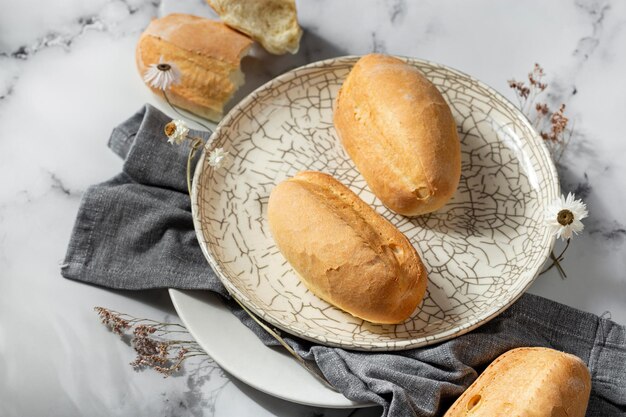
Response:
column 482, row 250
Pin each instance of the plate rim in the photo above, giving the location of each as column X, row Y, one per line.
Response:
column 233, row 369
column 370, row 346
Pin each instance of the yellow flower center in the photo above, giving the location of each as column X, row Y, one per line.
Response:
column 565, row 217
column 170, row 128
column 164, row 67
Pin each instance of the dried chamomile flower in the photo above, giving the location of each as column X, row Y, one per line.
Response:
column 217, row 157
column 176, row 132
column 564, row 216
column 162, row 75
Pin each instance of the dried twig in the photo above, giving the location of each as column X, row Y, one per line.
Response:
column 152, row 341
column 551, row 125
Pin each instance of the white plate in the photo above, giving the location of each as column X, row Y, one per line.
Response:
column 239, row 352
column 482, row 250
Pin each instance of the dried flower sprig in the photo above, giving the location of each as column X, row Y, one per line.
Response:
column 113, row 320
column 177, row 132
column 218, row 157
column 552, row 125
column 558, row 124
column 527, row 94
column 162, row 76
column 157, row 344
column 563, row 216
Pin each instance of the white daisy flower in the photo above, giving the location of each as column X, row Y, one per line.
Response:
column 176, row 131
column 162, row 75
column 217, row 157
column 564, row 216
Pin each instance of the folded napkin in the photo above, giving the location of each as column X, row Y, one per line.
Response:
column 135, row 232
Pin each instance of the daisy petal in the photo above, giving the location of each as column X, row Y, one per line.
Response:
column 576, row 211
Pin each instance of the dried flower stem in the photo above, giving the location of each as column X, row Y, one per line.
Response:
column 556, row 262
column 149, row 339
column 195, row 145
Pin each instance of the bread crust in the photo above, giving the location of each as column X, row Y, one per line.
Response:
column 528, row 382
column 206, row 52
column 400, row 133
column 343, row 251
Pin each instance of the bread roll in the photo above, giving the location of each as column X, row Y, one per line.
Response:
column 273, row 23
column 343, row 251
column 528, row 382
column 400, row 133
column 207, row 54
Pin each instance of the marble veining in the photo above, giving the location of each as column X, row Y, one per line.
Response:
column 67, row 76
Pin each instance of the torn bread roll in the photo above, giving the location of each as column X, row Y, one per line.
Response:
column 343, row 251
column 537, row 382
column 400, row 133
column 207, row 55
column 272, row 23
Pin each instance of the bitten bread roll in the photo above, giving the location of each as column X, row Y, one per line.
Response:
column 207, row 55
column 273, row 23
column 400, row 133
column 345, row 252
column 528, row 382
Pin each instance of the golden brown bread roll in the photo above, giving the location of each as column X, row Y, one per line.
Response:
column 400, row 133
column 273, row 23
column 528, row 382
column 207, row 54
column 343, row 251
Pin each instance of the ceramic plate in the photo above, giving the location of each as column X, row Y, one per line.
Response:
column 482, row 250
column 240, row 353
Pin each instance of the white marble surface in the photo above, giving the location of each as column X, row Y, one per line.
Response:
column 67, row 76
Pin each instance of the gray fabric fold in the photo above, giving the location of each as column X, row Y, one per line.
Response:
column 135, row 232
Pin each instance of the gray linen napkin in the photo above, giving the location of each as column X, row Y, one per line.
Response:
column 135, row 232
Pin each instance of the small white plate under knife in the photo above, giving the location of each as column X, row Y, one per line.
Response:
column 240, row 353
column 482, row 250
